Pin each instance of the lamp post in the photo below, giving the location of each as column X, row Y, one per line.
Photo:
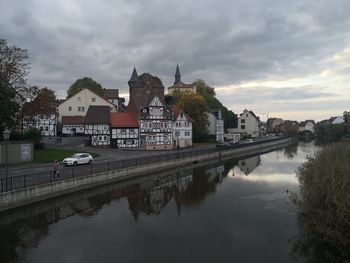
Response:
column 6, row 133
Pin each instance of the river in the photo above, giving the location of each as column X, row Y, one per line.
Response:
column 228, row 211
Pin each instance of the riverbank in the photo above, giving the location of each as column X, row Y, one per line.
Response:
column 52, row 189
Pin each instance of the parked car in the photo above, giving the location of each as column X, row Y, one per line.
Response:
column 78, row 158
column 249, row 140
column 222, row 144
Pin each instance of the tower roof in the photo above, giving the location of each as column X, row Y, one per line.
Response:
column 134, row 76
column 177, row 74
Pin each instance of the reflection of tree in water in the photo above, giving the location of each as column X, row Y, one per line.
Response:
column 324, row 204
column 291, row 150
column 205, row 181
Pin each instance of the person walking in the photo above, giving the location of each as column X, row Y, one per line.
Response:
column 56, row 172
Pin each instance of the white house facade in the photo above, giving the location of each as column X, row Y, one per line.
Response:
column 78, row 104
column 216, row 125
column 308, row 125
column 248, row 123
column 72, row 126
column 181, row 128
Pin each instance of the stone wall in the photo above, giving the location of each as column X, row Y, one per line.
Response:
column 18, row 152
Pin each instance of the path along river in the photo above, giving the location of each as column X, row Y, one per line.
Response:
column 231, row 211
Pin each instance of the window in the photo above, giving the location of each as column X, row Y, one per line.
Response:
column 242, row 127
column 93, row 99
column 79, row 99
column 81, row 109
column 242, row 120
column 122, row 132
column 105, row 138
column 246, row 115
column 100, row 138
column 70, row 108
column 46, row 128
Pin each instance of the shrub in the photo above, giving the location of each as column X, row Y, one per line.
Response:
column 324, row 204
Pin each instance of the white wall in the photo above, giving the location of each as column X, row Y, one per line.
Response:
column 82, row 99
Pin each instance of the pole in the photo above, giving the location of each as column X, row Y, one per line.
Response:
column 6, row 164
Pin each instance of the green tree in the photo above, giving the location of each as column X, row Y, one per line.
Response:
column 208, row 93
column 196, row 107
column 13, row 83
column 83, row 83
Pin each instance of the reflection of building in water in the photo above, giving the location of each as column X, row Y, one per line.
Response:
column 153, row 195
column 249, row 164
column 216, row 172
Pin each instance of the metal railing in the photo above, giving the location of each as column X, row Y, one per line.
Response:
column 34, row 179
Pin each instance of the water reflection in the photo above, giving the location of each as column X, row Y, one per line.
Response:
column 189, row 214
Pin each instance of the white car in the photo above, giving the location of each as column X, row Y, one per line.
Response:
column 78, row 158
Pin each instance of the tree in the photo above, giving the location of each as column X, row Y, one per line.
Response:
column 44, row 103
column 83, row 83
column 196, row 107
column 208, row 93
column 13, row 83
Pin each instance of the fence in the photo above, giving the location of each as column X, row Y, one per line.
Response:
column 33, row 179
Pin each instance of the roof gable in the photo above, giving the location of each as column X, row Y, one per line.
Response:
column 98, row 115
column 123, row 120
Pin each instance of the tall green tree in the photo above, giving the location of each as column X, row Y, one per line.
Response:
column 83, row 83
column 208, row 93
column 195, row 106
column 14, row 67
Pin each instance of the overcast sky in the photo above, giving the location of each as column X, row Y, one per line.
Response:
column 284, row 58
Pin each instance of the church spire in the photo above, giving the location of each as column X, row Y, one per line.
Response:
column 177, row 75
column 134, row 76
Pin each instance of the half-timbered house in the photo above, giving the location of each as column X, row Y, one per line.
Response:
column 156, row 125
column 97, row 123
column 124, row 130
column 47, row 124
column 72, row 125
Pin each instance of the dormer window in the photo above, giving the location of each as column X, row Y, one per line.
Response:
column 93, row 99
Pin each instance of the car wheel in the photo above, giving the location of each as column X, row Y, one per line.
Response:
column 90, row 162
column 75, row 163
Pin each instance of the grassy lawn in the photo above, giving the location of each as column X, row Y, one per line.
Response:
column 49, row 155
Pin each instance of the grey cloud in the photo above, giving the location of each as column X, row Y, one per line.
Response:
column 221, row 42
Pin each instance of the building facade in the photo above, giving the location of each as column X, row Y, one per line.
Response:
column 72, row 126
column 179, row 85
column 248, row 123
column 47, row 124
column 216, row 125
column 97, row 124
column 124, row 130
column 181, row 128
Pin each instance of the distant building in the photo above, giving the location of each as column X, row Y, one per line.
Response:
column 272, row 124
column 307, row 126
column 179, row 85
column 46, row 123
column 336, row 120
column 248, row 123
column 216, row 125
column 112, row 95
column 182, row 128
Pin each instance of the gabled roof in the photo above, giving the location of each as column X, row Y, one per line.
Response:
column 110, row 94
column 123, row 120
column 175, row 110
column 72, row 119
column 251, row 112
column 98, row 115
column 88, row 91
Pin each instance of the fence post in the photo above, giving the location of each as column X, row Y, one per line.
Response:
column 91, row 168
column 72, row 172
column 108, row 166
column 25, row 181
column 136, row 161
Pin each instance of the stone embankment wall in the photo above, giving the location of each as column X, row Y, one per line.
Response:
column 21, row 197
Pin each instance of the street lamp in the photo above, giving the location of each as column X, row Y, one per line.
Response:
column 6, row 133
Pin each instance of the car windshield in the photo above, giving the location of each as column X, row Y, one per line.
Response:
column 75, row 156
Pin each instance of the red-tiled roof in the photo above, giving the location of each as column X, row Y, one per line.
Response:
column 72, row 119
column 123, row 119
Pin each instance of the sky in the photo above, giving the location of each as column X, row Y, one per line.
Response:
column 278, row 58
